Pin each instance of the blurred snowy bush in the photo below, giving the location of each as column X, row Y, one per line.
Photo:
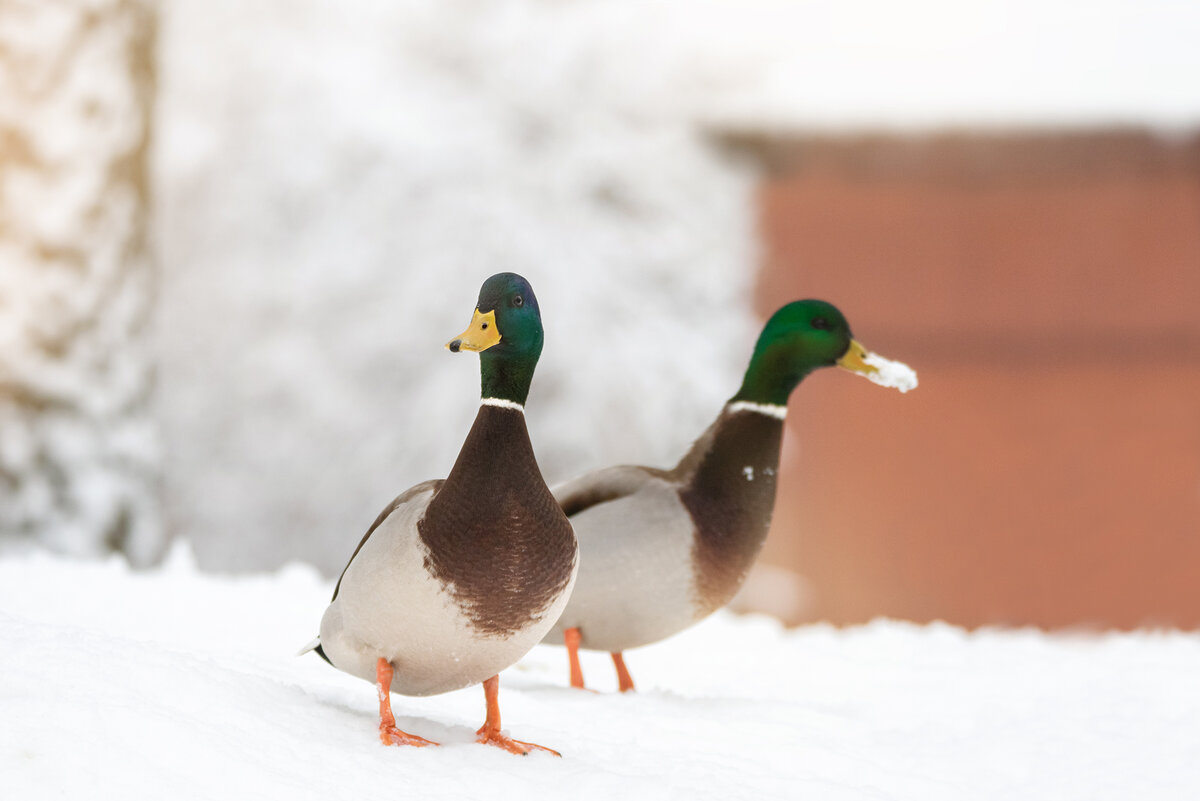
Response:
column 78, row 451
column 337, row 179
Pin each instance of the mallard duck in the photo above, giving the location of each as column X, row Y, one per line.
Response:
column 458, row 578
column 662, row 549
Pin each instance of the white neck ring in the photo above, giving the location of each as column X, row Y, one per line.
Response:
column 502, row 403
column 769, row 409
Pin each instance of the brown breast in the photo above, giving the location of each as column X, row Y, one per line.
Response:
column 729, row 490
column 497, row 539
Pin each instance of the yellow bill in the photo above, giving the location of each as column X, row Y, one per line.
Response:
column 481, row 334
column 877, row 369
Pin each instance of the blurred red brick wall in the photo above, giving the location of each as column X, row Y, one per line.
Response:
column 1047, row 290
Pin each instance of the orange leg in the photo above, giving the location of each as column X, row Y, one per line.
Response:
column 624, row 680
column 571, row 638
column 489, row 732
column 388, row 732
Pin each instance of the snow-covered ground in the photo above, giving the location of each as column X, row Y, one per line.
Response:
column 183, row 685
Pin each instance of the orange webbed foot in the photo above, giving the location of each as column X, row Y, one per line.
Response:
column 489, row 733
column 390, row 735
column 486, row 736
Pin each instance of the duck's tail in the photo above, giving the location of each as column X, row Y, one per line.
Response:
column 315, row 645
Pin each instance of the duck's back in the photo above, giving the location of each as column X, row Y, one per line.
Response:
column 635, row 584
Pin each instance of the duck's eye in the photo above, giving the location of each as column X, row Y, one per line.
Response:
column 483, row 327
column 820, row 323
column 518, row 301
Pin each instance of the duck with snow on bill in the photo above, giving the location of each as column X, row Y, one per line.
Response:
column 662, row 549
column 458, row 578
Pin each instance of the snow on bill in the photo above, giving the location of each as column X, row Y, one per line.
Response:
column 889, row 373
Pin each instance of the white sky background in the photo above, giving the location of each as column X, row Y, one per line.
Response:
column 939, row 63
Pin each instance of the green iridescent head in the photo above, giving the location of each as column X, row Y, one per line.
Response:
column 506, row 331
column 800, row 337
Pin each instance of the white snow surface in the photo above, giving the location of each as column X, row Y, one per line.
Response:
column 130, row 685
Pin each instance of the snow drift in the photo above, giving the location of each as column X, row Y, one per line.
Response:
column 134, row 685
